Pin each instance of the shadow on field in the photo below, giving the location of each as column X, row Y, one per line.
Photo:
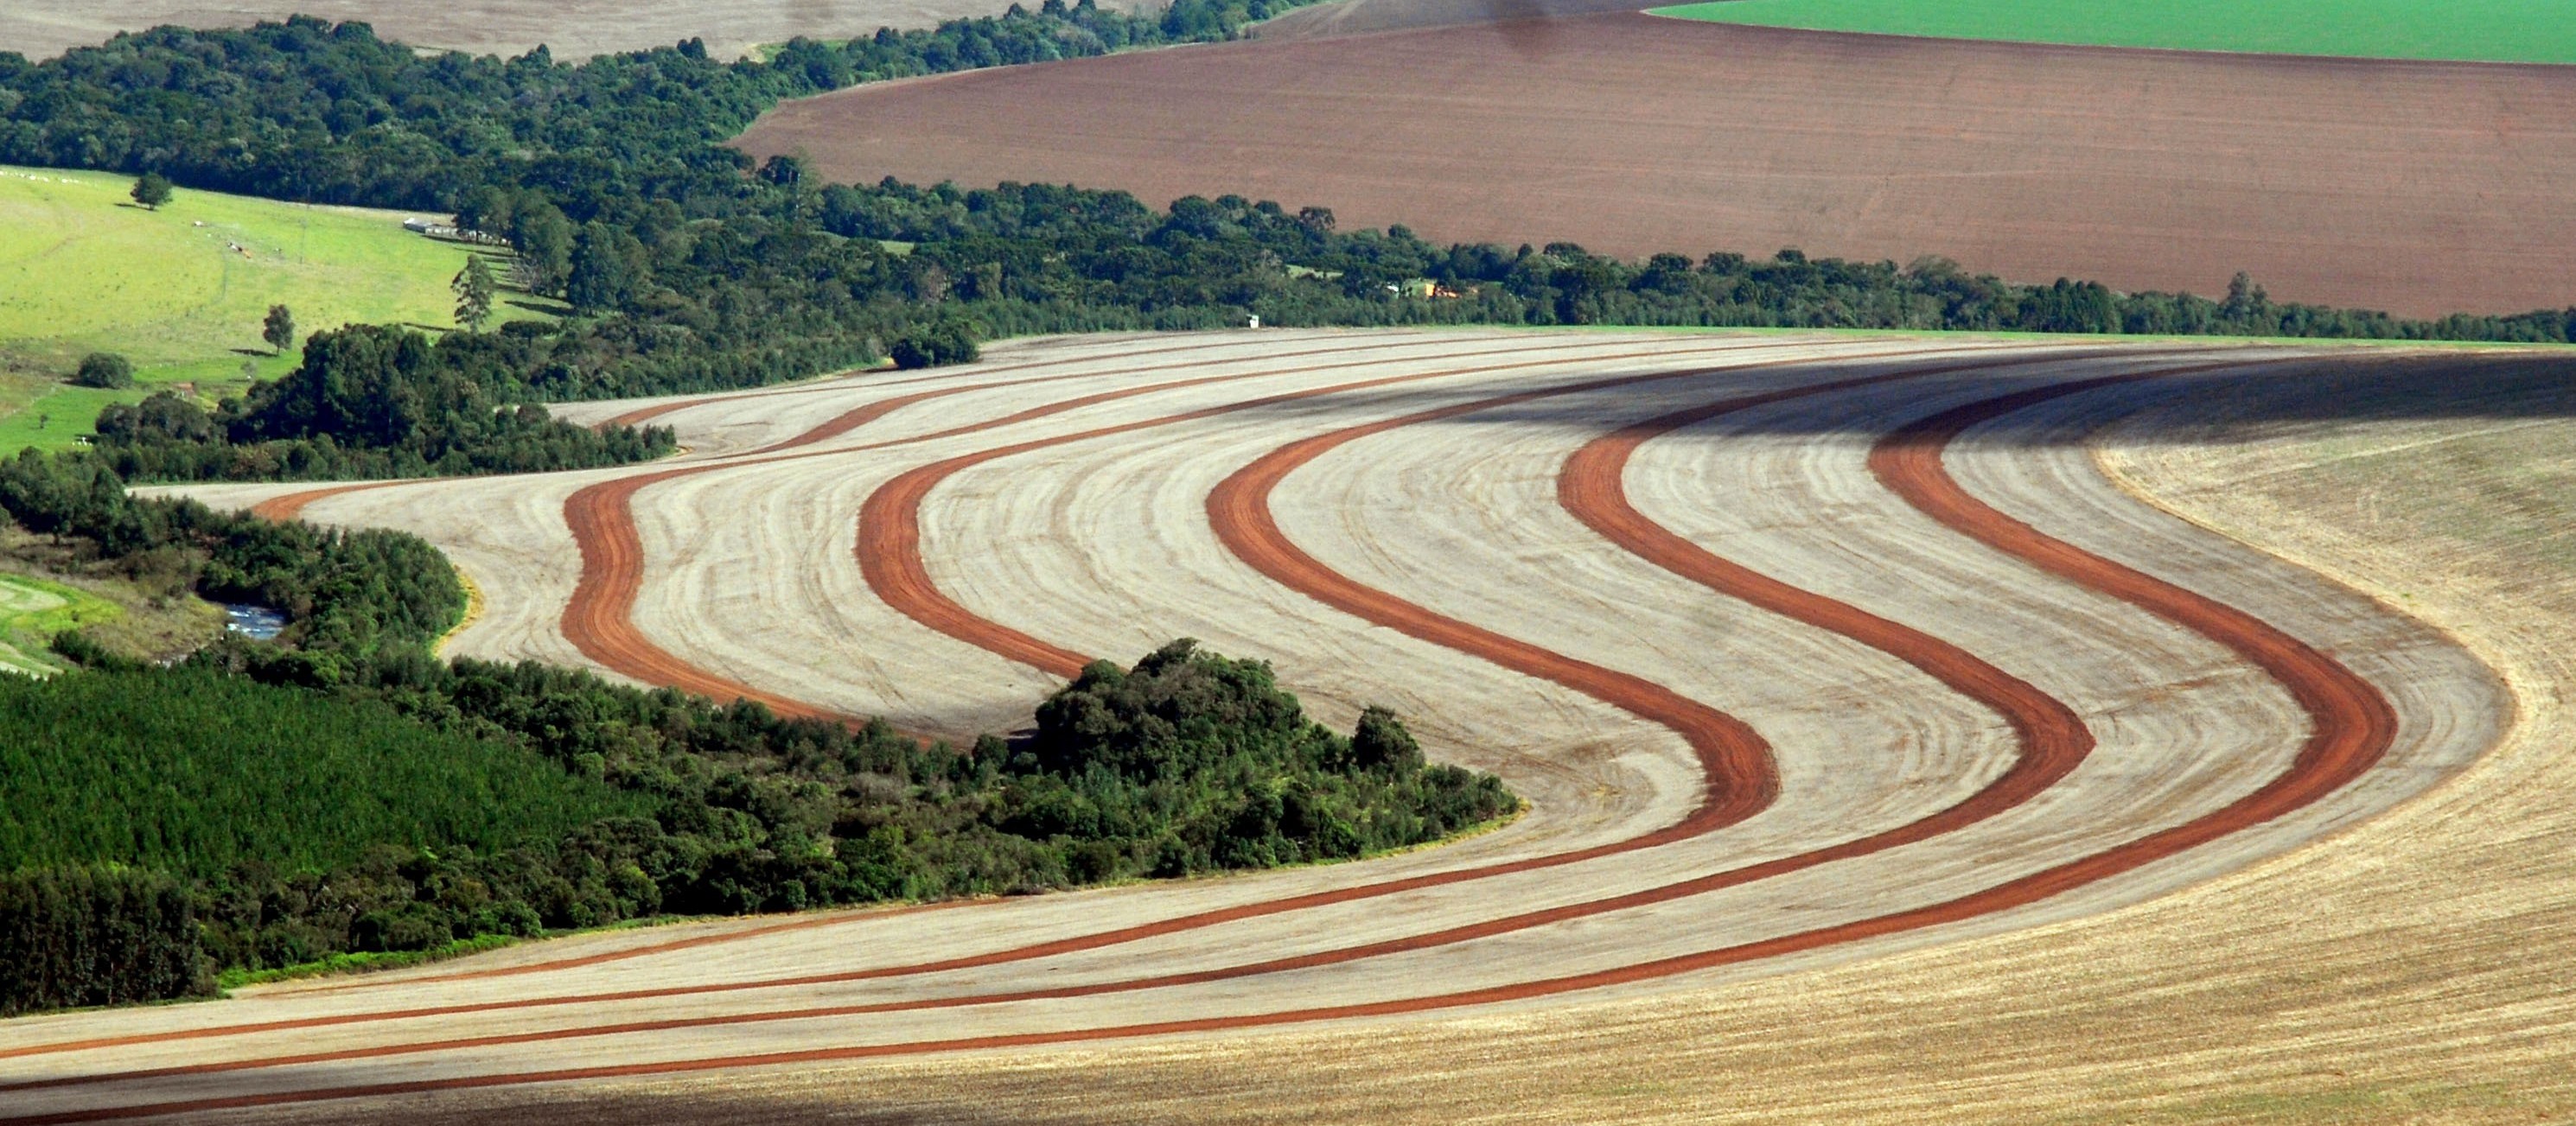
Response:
column 2234, row 406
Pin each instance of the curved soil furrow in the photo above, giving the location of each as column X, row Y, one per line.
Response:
column 2052, row 738
column 292, row 505
column 601, row 519
column 2353, row 727
column 889, row 544
column 611, row 524
column 598, row 619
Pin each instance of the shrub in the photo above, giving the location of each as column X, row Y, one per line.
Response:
column 104, row 369
column 950, row 342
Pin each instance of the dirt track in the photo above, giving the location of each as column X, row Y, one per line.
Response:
column 2419, row 188
column 1922, row 794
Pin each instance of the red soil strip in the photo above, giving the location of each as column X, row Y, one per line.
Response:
column 2353, row 728
column 2424, row 188
column 2053, row 740
column 889, row 544
column 605, row 526
column 598, row 619
column 291, row 505
column 602, row 521
column 611, row 529
column 610, row 517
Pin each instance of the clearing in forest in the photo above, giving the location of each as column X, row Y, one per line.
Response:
column 181, row 291
column 2503, row 31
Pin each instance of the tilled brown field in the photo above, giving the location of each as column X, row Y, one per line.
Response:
column 1810, row 652
column 2421, row 188
column 41, row 29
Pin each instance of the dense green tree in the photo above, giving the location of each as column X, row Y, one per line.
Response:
column 279, row 329
column 545, row 242
column 603, row 274
column 152, row 189
column 474, row 291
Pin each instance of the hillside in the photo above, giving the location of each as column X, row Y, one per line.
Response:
column 83, row 269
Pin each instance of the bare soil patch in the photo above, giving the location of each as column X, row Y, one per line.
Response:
column 41, row 29
column 2421, row 188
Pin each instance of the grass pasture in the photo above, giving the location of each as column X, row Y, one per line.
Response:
column 32, row 611
column 2504, row 31
column 83, row 269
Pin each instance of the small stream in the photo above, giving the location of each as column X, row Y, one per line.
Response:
column 259, row 623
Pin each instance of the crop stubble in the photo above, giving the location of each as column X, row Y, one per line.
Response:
column 1894, row 467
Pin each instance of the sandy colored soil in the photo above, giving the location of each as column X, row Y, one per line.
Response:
column 41, row 29
column 2420, row 188
column 1821, row 660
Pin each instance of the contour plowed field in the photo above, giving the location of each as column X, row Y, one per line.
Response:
column 1805, row 650
column 2419, row 188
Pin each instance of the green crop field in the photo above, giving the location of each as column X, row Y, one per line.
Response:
column 181, row 291
column 2515, row 31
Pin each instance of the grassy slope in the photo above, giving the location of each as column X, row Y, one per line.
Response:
column 156, row 616
column 32, row 611
column 193, row 771
column 2530, row 31
column 82, row 269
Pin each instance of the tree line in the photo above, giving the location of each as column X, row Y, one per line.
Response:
column 372, row 401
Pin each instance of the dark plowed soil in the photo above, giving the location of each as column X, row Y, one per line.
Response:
column 2422, row 188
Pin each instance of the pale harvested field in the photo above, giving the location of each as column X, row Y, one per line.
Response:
column 2420, row 188
column 1868, row 778
column 41, row 29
